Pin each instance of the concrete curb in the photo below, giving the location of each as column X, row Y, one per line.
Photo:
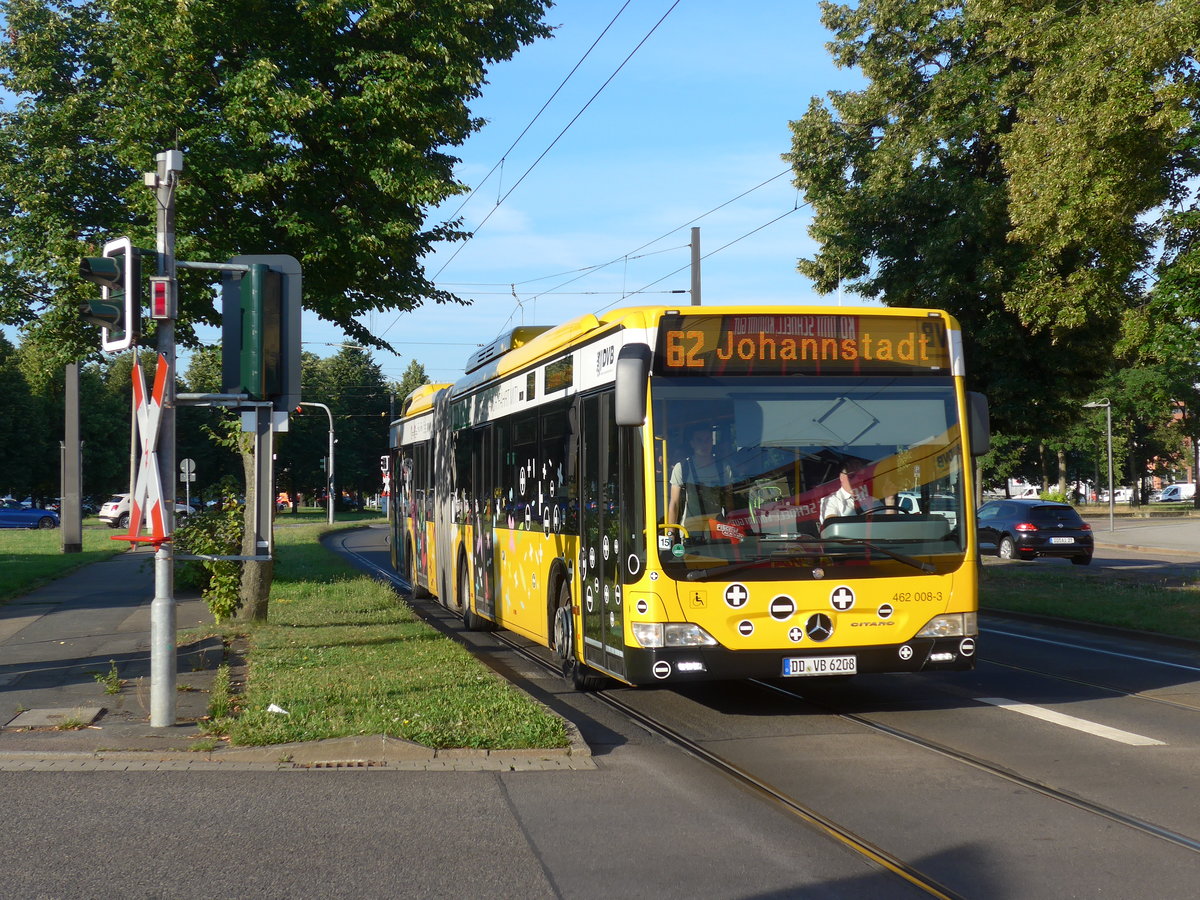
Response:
column 334, row 754
column 1137, row 548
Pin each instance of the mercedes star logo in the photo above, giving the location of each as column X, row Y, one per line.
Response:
column 819, row 627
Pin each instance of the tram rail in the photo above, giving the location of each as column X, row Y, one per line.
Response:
column 812, row 817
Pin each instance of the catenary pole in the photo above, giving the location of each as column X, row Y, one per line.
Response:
column 695, row 266
column 70, row 509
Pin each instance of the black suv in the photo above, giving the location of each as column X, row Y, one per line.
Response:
column 1023, row 529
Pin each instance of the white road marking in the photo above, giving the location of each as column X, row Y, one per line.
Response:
column 1057, row 718
column 1146, row 659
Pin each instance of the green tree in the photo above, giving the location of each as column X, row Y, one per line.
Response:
column 313, row 129
column 351, row 384
column 1100, row 155
column 200, row 431
column 1161, row 374
column 317, row 130
column 928, row 186
column 19, row 424
column 412, row 378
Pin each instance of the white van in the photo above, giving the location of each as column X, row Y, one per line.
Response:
column 1178, row 492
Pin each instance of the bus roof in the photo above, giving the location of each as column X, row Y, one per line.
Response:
column 421, row 399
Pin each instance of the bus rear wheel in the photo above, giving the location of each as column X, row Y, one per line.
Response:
column 582, row 677
column 472, row 621
column 410, row 572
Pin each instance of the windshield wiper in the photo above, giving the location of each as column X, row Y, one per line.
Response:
column 777, row 556
column 928, row 568
column 785, row 555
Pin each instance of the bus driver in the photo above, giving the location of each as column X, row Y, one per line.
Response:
column 849, row 499
column 697, row 483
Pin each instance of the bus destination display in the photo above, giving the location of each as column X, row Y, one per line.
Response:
column 802, row 344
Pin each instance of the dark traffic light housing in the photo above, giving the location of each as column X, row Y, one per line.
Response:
column 118, row 311
column 261, row 310
column 260, row 363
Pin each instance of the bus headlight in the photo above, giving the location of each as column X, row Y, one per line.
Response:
column 672, row 634
column 951, row 625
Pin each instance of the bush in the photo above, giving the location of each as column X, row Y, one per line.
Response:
column 214, row 532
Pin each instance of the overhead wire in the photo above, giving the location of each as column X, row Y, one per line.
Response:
column 503, row 156
column 557, row 138
column 798, row 205
column 928, row 88
column 584, row 271
column 500, row 199
column 630, row 255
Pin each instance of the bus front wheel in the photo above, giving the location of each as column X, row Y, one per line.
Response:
column 582, row 677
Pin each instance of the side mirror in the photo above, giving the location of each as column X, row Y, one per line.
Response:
column 633, row 373
column 980, row 423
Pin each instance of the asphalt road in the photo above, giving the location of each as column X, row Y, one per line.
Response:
column 650, row 820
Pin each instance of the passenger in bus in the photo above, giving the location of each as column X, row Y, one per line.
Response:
column 699, row 483
column 850, row 498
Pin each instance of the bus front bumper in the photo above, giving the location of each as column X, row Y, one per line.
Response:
column 674, row 665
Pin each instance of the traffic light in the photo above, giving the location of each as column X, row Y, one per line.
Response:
column 118, row 311
column 260, row 337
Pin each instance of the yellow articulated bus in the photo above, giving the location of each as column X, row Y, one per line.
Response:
column 669, row 495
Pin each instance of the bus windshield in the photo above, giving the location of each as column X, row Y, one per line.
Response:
column 810, row 474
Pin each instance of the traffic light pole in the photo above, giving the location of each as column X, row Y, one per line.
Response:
column 329, row 464
column 162, row 609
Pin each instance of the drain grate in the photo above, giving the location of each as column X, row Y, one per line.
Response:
column 69, row 717
column 342, row 764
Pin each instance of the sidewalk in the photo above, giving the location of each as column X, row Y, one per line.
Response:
column 1176, row 536
column 60, row 644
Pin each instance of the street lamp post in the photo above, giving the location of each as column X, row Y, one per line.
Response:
column 329, row 463
column 1107, row 407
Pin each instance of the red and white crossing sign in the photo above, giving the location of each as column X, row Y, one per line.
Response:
column 146, row 499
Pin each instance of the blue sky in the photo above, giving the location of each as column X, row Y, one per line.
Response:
column 697, row 116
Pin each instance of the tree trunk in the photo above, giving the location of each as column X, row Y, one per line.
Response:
column 256, row 576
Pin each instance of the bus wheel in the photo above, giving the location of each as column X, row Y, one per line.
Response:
column 472, row 621
column 582, row 677
column 410, row 572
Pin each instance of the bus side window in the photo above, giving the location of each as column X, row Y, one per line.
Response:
column 554, row 452
column 463, row 442
column 524, row 471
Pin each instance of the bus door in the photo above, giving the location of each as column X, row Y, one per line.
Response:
column 485, row 512
column 599, row 554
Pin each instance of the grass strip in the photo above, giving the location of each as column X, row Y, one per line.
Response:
column 344, row 655
column 1169, row 606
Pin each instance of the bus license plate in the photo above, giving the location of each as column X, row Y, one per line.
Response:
column 820, row 665
column 1062, row 540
